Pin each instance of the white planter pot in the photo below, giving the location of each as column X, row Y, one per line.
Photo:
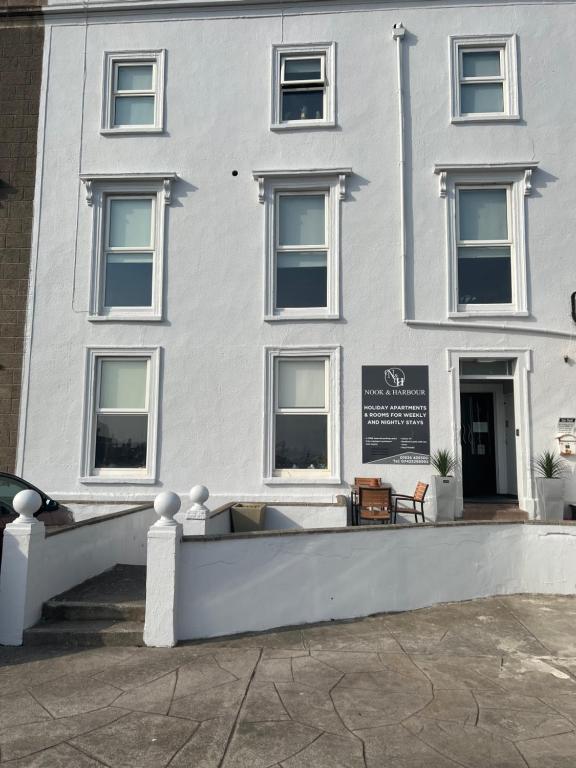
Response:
column 550, row 493
column 444, row 498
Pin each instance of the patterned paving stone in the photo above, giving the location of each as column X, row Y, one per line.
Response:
column 554, row 752
column 465, row 745
column 363, row 637
column 263, row 703
column 455, row 672
column 201, row 674
column 552, row 620
column 221, row 701
column 20, row 708
column 62, row 756
column 73, row 695
column 329, row 751
column 274, row 671
column 206, row 746
column 143, row 740
column 517, row 725
column 310, row 707
column 365, row 708
column 452, row 706
column 396, row 747
column 259, row 745
column 152, row 697
column 315, row 673
column 23, row 740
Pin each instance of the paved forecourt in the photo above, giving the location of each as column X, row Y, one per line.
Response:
column 479, row 684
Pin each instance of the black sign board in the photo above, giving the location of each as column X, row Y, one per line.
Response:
column 395, row 414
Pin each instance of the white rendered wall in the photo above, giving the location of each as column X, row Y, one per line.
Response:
column 217, row 120
column 243, row 584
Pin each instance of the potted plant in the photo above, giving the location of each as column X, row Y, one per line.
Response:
column 444, row 484
column 550, row 470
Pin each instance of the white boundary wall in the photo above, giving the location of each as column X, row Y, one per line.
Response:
column 36, row 564
column 233, row 584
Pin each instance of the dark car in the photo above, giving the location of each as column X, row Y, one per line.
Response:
column 10, row 485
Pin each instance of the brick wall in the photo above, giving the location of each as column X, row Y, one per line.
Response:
column 21, row 43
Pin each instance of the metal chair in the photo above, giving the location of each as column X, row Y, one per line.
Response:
column 374, row 504
column 416, row 498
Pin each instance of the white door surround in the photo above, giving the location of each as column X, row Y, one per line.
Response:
column 521, row 412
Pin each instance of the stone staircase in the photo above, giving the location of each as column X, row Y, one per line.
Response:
column 105, row 610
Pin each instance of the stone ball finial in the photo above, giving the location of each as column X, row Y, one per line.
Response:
column 26, row 503
column 166, row 505
column 199, row 494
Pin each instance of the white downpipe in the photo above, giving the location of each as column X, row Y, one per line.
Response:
column 398, row 32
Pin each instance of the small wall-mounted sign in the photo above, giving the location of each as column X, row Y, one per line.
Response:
column 566, row 425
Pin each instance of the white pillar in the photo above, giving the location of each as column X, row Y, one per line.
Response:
column 164, row 539
column 21, row 565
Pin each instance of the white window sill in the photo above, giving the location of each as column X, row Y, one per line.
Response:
column 488, row 117
column 294, row 317
column 310, row 480
column 300, row 125
column 125, row 318
column 119, row 480
column 136, row 130
column 489, row 313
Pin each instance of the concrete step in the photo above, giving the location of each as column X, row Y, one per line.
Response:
column 70, row 610
column 84, row 634
column 107, row 609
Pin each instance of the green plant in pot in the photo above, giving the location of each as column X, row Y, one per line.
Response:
column 549, row 469
column 444, row 483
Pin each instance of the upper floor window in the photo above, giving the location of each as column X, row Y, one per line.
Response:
column 128, row 244
column 133, row 92
column 484, row 78
column 302, row 242
column 486, row 237
column 303, row 86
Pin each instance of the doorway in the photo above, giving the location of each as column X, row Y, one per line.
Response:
column 488, row 432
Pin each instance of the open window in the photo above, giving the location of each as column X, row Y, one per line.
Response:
column 303, row 86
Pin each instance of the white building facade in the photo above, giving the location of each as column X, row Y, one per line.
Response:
column 240, row 205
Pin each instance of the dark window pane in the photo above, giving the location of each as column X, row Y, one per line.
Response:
column 303, row 105
column 301, row 279
column 121, row 440
column 301, row 442
column 484, row 280
column 128, row 283
column 302, row 69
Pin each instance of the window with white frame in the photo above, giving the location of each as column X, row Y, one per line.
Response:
column 129, row 251
column 302, row 242
column 303, row 86
column 128, row 244
column 302, row 425
column 485, row 244
column 133, row 92
column 486, row 238
column 484, row 78
column 120, row 431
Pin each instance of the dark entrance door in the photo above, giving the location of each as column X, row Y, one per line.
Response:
column 477, row 437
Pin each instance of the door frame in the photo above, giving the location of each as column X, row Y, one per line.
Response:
column 521, row 383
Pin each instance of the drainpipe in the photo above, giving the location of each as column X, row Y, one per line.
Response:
column 398, row 32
